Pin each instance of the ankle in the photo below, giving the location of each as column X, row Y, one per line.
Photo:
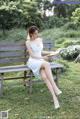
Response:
column 58, row 92
column 56, row 104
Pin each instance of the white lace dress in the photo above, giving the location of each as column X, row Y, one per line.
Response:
column 33, row 63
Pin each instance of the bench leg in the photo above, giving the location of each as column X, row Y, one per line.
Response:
column 30, row 86
column 1, row 85
column 28, row 82
column 57, row 77
column 56, row 81
column 24, row 80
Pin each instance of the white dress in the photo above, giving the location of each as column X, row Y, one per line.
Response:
column 33, row 63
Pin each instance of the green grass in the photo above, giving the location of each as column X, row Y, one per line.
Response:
column 38, row 105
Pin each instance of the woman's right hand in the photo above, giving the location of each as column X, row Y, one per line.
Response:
column 46, row 58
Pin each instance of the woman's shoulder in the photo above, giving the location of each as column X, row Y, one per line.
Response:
column 39, row 39
column 27, row 42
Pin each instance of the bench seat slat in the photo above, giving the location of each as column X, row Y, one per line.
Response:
column 56, row 65
column 14, row 68
column 24, row 68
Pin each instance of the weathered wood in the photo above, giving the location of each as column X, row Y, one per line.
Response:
column 28, row 82
column 12, row 48
column 57, row 76
column 56, row 65
column 25, row 72
column 11, row 54
column 2, row 43
column 13, row 68
column 26, row 55
column 12, row 60
column 48, row 44
column 25, row 68
column 1, row 85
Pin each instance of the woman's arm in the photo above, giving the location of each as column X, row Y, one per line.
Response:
column 47, row 53
column 31, row 52
column 56, row 52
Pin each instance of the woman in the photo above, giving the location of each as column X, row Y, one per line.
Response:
column 38, row 64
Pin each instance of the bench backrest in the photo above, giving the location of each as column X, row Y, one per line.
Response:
column 16, row 53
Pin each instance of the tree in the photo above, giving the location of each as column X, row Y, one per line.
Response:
column 59, row 9
column 9, row 15
column 18, row 13
column 43, row 5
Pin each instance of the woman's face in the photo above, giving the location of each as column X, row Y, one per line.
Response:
column 35, row 35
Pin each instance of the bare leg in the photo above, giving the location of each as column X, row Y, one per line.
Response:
column 44, row 77
column 49, row 75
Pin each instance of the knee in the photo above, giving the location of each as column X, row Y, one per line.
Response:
column 44, row 77
column 46, row 64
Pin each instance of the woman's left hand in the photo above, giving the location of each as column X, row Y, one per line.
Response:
column 56, row 52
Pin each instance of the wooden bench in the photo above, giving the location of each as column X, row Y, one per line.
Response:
column 13, row 58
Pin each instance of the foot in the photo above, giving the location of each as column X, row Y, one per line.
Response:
column 57, row 106
column 59, row 92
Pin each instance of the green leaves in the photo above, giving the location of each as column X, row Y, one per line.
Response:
column 71, row 52
column 19, row 13
column 76, row 16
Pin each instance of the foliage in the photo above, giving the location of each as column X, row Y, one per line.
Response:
column 65, row 42
column 9, row 15
column 71, row 52
column 64, row 10
column 68, row 42
column 70, row 25
column 54, row 21
column 31, row 14
column 59, row 9
column 76, row 16
column 24, row 13
column 43, row 5
column 14, row 35
column 19, row 13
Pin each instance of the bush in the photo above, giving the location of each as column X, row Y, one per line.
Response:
column 70, row 25
column 76, row 16
column 71, row 52
column 65, row 42
column 69, row 42
column 71, row 34
column 55, row 21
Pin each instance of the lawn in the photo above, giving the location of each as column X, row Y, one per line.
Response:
column 38, row 105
